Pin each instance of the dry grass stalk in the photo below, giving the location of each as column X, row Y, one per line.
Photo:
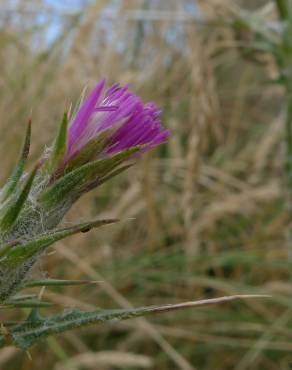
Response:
column 106, row 360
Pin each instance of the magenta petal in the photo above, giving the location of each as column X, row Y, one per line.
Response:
column 134, row 123
column 109, row 108
column 81, row 119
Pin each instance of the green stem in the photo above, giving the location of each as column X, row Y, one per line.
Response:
column 288, row 158
column 283, row 7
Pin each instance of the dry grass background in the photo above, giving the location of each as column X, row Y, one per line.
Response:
column 203, row 216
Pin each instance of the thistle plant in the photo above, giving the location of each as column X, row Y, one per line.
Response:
column 109, row 132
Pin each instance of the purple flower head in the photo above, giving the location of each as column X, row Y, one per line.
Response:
column 131, row 122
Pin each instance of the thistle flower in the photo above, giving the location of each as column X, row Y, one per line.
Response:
column 128, row 121
column 111, row 127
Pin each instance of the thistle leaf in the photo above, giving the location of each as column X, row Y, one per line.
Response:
column 107, row 177
column 56, row 282
column 26, row 303
column 5, row 247
column 73, row 183
column 90, row 151
column 13, row 208
column 22, row 297
column 22, row 252
column 18, row 171
column 60, row 145
column 115, row 173
column 31, row 331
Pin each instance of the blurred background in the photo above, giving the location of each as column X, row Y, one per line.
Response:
column 203, row 215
